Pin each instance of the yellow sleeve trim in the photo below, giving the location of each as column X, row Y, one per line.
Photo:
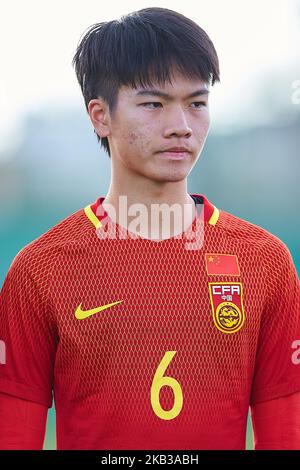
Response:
column 215, row 216
column 90, row 214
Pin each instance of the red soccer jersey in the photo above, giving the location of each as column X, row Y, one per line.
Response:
column 151, row 344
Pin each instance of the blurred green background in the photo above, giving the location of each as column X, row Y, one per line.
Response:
column 51, row 164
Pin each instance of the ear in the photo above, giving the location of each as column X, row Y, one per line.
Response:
column 99, row 114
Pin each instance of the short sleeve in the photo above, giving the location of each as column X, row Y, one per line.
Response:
column 277, row 370
column 28, row 336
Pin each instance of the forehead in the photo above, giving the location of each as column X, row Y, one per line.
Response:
column 180, row 86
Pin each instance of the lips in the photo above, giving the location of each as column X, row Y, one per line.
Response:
column 174, row 155
column 177, row 149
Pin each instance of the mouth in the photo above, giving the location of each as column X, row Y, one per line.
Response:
column 174, row 155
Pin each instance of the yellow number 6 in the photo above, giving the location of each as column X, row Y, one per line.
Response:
column 158, row 382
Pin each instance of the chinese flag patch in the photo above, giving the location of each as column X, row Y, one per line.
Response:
column 220, row 264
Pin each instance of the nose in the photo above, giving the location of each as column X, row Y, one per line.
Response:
column 179, row 126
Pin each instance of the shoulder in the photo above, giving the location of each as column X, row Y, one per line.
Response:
column 249, row 233
column 265, row 251
column 272, row 255
column 41, row 254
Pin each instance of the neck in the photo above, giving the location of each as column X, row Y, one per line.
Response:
column 176, row 214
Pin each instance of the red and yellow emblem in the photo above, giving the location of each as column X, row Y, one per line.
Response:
column 227, row 305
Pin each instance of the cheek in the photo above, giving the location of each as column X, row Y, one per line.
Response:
column 203, row 127
column 140, row 140
column 127, row 137
column 136, row 140
column 132, row 138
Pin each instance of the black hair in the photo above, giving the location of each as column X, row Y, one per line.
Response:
column 140, row 49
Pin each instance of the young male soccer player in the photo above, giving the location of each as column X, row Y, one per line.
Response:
column 150, row 341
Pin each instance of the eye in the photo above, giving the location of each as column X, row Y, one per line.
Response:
column 152, row 102
column 157, row 103
column 201, row 103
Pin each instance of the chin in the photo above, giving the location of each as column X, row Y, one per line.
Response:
column 169, row 177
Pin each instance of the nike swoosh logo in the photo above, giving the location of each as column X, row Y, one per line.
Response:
column 82, row 314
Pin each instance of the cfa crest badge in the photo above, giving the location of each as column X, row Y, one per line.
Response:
column 227, row 305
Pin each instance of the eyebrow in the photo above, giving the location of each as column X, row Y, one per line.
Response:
column 161, row 94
